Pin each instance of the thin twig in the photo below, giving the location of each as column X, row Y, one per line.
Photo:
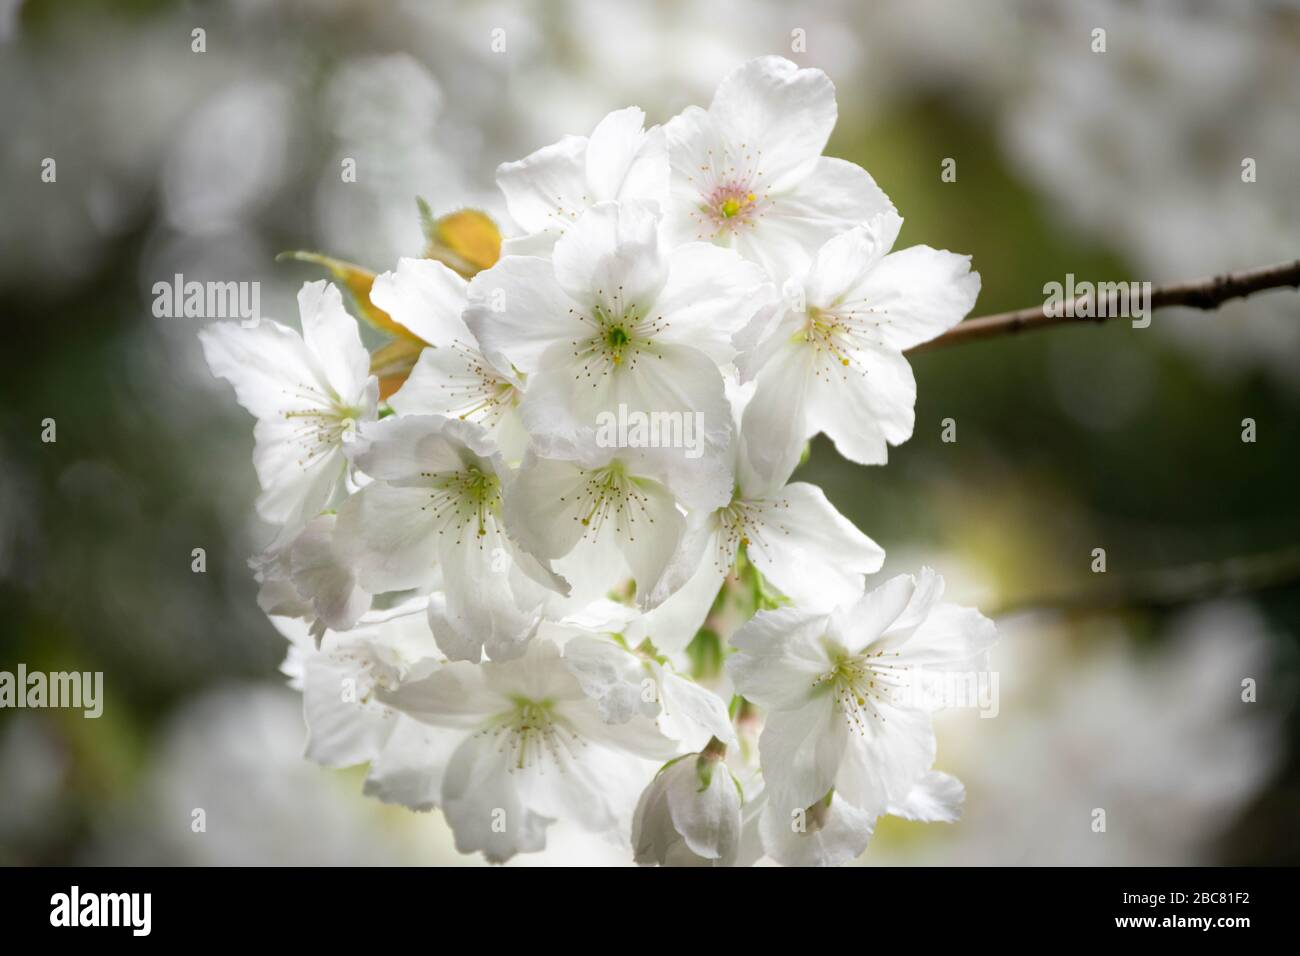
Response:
column 1199, row 294
column 1173, row 587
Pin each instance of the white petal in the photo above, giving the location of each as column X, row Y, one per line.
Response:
column 454, row 695
column 490, row 607
column 390, row 536
column 710, row 295
column 653, row 835
column 302, row 646
column 775, row 422
column 951, row 637
column 691, row 713
column 298, row 478
column 829, row 836
column 648, row 532
column 782, row 112
column 693, row 143
column 320, row 574
column 544, row 507
column 482, row 804
column 536, row 244
column 936, row 798
column 333, row 340
column 619, row 681
column 407, row 447
column 517, row 311
column 426, row 297
column 547, row 189
column 702, row 543
column 802, row 751
column 410, row 767
column 459, row 382
column 588, row 788
column 831, row 196
column 267, row 364
column 343, row 727
column 811, row 552
column 624, row 161
column 611, row 257
column 781, row 656
column 671, row 399
column 846, row 259
column 915, row 295
column 672, row 623
column 890, row 612
column 540, row 674
column 865, row 406
column 708, row 818
column 556, row 510
column 903, row 598
column 885, row 758
column 638, row 738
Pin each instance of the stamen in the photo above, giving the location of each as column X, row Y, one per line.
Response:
column 609, row 492
column 733, row 192
column 463, row 500
column 861, row 684
column 321, row 426
column 621, row 333
column 838, row 336
column 534, row 735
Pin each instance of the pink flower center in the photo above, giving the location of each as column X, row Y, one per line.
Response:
column 732, row 204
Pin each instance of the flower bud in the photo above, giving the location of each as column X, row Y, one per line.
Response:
column 689, row 815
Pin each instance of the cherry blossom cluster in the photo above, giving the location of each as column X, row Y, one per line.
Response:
column 519, row 615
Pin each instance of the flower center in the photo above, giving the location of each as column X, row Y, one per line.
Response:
column 620, row 332
column 531, row 733
column 480, row 395
column 320, row 430
column 616, row 337
column 731, row 205
column 463, row 500
column 836, row 335
column 750, row 524
column 610, row 493
column 861, row 684
column 732, row 190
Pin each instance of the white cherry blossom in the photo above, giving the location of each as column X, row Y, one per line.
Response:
column 748, row 172
column 509, row 588
column 308, row 393
column 615, row 323
column 533, row 749
column 833, row 832
column 602, row 517
column 548, row 190
column 689, row 815
column 843, row 691
column 307, row 578
column 626, row 682
column 348, row 725
column 789, row 531
column 833, row 361
column 453, row 377
column 435, row 501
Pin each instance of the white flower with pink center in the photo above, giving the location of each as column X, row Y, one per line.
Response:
column 748, row 172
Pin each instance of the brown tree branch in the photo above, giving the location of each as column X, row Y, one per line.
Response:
column 1199, row 294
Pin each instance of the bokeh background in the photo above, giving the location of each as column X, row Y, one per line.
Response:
column 1120, row 691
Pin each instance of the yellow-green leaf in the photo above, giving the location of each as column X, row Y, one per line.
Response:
column 358, row 281
column 393, row 363
column 467, row 240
